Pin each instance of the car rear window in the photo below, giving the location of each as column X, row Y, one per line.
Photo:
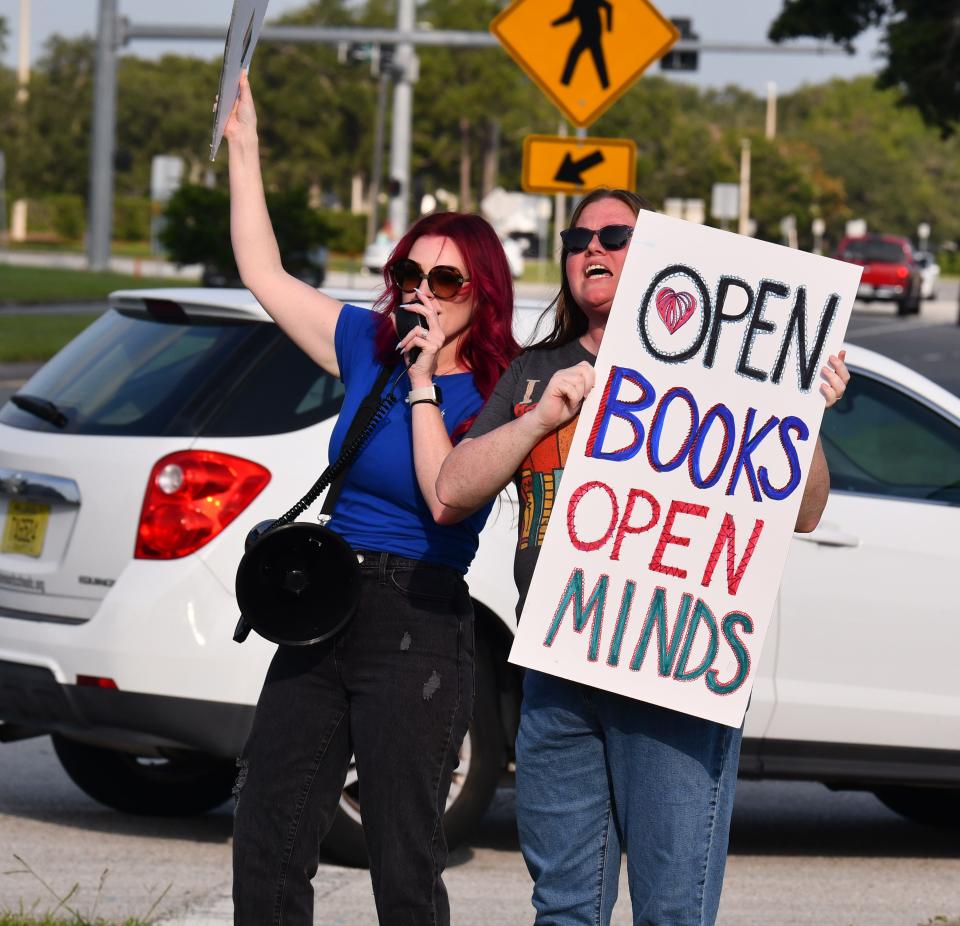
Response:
column 130, row 374
column 869, row 251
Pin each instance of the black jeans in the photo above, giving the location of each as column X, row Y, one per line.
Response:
column 395, row 688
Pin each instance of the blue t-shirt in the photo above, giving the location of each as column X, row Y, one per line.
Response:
column 380, row 507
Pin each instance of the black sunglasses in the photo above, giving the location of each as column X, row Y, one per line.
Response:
column 444, row 282
column 611, row 237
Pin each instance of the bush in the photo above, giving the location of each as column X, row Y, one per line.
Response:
column 131, row 218
column 61, row 214
column 197, row 229
column 348, row 232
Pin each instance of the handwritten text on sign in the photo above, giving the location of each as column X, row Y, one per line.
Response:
column 661, row 563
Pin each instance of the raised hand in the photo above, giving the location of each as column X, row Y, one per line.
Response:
column 242, row 121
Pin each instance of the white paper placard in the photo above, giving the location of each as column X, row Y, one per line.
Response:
column 663, row 556
column 246, row 21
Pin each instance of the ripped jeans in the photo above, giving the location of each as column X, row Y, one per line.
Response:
column 395, row 688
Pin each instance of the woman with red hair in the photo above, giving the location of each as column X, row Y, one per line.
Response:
column 395, row 687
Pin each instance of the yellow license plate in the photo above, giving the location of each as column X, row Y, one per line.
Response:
column 25, row 528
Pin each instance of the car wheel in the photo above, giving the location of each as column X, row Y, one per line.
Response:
column 471, row 790
column 934, row 806
column 910, row 304
column 158, row 787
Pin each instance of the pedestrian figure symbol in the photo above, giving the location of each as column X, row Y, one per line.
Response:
column 587, row 12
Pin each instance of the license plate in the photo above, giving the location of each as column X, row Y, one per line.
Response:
column 25, row 528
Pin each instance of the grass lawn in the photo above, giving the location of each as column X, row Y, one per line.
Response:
column 44, row 284
column 37, row 337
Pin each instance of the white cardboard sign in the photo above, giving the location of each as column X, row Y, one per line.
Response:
column 663, row 556
column 246, row 21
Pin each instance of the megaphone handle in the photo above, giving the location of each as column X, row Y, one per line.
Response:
column 242, row 630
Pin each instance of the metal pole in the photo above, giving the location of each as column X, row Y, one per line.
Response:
column 23, row 53
column 559, row 210
column 771, row 109
column 405, row 60
column 373, row 217
column 102, row 147
column 744, row 224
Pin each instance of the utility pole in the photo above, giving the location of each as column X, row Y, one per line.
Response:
column 373, row 216
column 743, row 226
column 771, row 109
column 405, row 61
column 101, row 150
column 19, row 219
column 23, row 54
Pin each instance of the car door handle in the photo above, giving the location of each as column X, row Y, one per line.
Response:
column 829, row 535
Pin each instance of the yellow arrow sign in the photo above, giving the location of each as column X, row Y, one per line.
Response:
column 554, row 164
column 583, row 54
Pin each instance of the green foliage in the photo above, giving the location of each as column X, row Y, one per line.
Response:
column 59, row 214
column 347, row 232
column 921, row 45
column 131, row 218
column 197, row 228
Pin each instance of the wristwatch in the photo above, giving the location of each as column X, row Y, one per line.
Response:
column 429, row 394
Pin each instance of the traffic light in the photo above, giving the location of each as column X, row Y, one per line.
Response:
column 684, row 59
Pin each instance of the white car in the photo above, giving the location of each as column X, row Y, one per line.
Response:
column 133, row 464
column 929, row 274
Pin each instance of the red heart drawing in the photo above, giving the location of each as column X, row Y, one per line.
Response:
column 675, row 308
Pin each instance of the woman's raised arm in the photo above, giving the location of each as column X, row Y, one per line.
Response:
column 307, row 316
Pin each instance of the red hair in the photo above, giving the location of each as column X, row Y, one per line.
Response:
column 488, row 345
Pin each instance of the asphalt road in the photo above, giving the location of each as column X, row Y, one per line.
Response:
column 800, row 856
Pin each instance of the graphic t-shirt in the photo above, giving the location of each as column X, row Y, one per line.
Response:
column 538, row 478
column 380, row 507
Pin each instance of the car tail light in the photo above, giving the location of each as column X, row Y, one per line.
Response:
column 191, row 497
column 96, row 681
column 903, row 272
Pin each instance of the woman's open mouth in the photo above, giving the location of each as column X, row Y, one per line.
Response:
column 597, row 271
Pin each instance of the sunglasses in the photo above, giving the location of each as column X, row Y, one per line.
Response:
column 611, row 237
column 444, row 282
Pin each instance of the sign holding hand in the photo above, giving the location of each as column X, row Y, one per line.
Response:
column 246, row 20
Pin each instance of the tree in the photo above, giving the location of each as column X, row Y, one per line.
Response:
column 921, row 45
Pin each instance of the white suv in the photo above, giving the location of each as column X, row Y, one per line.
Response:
column 133, row 464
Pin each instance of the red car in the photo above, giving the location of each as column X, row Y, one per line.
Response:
column 889, row 270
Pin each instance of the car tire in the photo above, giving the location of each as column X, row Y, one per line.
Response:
column 910, row 304
column 474, row 780
column 933, row 806
column 184, row 785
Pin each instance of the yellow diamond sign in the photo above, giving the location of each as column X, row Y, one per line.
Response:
column 584, row 54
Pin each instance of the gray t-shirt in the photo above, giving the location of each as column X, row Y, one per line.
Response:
column 517, row 392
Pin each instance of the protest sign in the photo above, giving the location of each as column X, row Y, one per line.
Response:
column 668, row 535
column 246, row 20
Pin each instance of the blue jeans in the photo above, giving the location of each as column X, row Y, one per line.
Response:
column 395, row 688
column 598, row 774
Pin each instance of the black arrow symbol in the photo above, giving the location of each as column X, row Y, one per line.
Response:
column 570, row 170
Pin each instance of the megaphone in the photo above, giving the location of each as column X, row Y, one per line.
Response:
column 297, row 584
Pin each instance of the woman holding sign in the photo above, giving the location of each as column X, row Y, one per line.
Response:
column 395, row 687
column 598, row 771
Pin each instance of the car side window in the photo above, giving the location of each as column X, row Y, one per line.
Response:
column 880, row 441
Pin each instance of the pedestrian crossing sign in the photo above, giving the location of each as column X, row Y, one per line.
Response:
column 584, row 54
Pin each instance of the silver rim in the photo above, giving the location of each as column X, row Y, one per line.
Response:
column 350, row 796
